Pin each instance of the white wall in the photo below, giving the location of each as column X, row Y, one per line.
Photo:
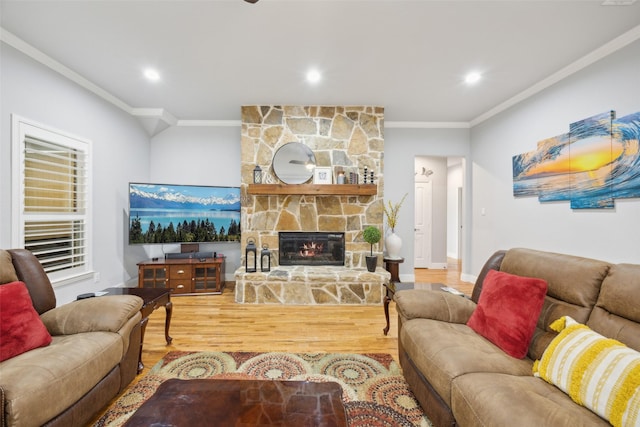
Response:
column 612, row 83
column 196, row 156
column 401, row 147
column 120, row 152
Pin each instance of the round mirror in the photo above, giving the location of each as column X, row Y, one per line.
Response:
column 293, row 163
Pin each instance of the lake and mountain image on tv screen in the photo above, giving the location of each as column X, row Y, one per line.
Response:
column 160, row 213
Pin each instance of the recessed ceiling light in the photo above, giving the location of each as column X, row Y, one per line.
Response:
column 313, row 76
column 472, row 78
column 152, row 75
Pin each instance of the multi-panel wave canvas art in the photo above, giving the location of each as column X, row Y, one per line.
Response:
column 593, row 164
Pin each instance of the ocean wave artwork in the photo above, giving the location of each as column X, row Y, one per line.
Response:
column 590, row 166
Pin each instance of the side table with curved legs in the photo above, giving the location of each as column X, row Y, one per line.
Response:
column 392, row 265
column 152, row 299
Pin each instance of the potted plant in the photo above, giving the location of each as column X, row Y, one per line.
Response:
column 372, row 236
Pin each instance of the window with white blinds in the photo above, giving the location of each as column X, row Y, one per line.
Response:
column 53, row 186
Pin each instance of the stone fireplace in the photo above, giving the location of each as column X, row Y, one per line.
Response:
column 348, row 137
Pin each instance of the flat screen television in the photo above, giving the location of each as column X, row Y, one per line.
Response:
column 162, row 213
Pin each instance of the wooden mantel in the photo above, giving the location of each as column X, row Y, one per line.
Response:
column 313, row 189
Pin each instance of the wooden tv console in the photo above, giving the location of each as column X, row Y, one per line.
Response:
column 183, row 276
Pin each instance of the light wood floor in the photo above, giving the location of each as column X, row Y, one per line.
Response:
column 217, row 323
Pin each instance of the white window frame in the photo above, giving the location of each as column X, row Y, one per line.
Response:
column 22, row 130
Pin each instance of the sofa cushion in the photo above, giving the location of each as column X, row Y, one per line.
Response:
column 31, row 272
column 433, row 304
column 107, row 313
column 616, row 313
column 52, row 378
column 443, row 351
column 21, row 329
column 488, row 399
column 573, row 287
column 508, row 310
column 600, row 373
column 7, row 271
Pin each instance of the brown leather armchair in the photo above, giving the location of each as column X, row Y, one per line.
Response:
column 93, row 355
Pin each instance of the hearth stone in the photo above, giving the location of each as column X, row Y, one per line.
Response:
column 311, row 285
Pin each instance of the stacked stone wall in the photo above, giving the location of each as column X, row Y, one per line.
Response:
column 349, row 137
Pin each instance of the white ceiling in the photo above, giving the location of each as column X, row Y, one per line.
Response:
column 408, row 56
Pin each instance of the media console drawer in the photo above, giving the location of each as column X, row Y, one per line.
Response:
column 183, row 276
column 180, row 278
column 179, row 271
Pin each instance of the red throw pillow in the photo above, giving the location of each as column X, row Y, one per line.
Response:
column 20, row 326
column 508, row 310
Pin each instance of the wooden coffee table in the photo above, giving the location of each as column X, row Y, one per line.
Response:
column 225, row 402
column 152, row 298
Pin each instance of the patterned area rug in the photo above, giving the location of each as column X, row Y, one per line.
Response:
column 373, row 390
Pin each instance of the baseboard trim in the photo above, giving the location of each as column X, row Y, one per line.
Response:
column 407, row 278
column 468, row 278
column 438, row 265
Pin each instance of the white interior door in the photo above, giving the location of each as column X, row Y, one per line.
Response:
column 422, row 229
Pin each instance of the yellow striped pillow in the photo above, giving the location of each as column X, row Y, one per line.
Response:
column 599, row 373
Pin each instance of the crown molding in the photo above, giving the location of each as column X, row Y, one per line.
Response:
column 426, row 125
column 387, row 124
column 209, row 123
column 159, row 113
column 155, row 120
column 32, row 52
column 602, row 52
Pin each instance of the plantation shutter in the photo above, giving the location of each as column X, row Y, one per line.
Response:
column 54, row 201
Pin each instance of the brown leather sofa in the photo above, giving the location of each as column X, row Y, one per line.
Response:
column 462, row 379
column 93, row 355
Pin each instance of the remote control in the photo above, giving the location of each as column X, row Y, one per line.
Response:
column 452, row 290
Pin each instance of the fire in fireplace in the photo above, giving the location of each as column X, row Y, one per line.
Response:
column 311, row 248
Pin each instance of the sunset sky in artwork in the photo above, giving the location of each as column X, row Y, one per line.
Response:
column 591, row 165
column 585, row 155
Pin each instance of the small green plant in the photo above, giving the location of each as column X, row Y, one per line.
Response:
column 372, row 236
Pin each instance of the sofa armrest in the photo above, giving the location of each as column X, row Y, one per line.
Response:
column 107, row 313
column 436, row 305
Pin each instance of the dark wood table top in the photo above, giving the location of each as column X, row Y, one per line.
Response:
column 147, row 294
column 392, row 260
column 182, row 261
column 400, row 286
column 226, row 402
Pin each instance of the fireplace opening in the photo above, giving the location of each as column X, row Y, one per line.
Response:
column 311, row 248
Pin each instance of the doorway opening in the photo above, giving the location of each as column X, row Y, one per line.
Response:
column 439, row 215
